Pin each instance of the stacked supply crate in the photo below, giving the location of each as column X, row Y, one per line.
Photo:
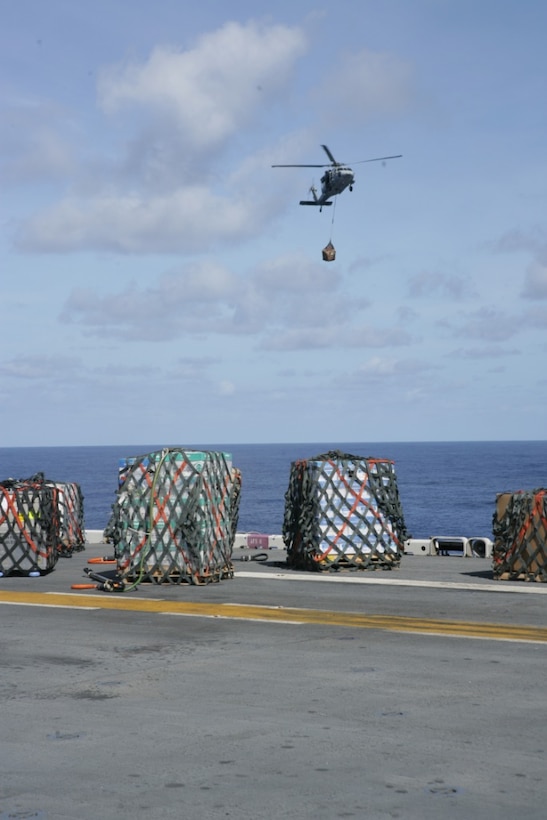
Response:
column 29, row 527
column 343, row 510
column 175, row 516
column 520, row 536
column 70, row 519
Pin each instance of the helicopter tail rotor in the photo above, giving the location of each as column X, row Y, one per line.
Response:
column 315, row 201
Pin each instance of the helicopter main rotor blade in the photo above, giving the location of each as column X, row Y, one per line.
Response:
column 337, row 164
column 302, row 166
column 376, row 159
column 330, row 156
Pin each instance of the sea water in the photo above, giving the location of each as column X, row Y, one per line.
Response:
column 446, row 488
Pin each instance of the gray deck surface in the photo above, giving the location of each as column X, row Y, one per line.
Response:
column 150, row 713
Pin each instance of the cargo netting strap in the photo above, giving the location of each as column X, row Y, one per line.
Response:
column 343, row 510
column 70, row 518
column 175, row 517
column 520, row 536
column 28, row 526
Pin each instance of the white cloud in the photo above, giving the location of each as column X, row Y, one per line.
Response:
column 295, row 272
column 41, row 367
column 286, row 302
column 213, row 89
column 197, row 300
column 188, row 220
column 162, row 191
column 386, row 379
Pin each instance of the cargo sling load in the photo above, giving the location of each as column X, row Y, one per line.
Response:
column 343, row 511
column 175, row 517
column 28, row 527
column 520, row 536
column 40, row 520
column 70, row 519
column 329, row 252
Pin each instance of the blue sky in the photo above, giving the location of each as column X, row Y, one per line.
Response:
column 160, row 282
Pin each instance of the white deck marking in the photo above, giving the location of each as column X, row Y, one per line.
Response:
column 504, row 586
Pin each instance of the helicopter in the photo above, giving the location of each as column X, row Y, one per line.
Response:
column 336, row 178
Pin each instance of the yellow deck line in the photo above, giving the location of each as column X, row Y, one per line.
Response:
column 354, row 620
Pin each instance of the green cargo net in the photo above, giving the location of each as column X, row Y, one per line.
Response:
column 520, row 536
column 343, row 510
column 29, row 527
column 175, row 517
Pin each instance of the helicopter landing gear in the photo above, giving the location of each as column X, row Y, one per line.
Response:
column 351, row 187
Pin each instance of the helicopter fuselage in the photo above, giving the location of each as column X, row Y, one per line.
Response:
column 335, row 180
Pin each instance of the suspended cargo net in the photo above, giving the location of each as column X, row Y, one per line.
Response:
column 343, row 511
column 329, row 253
column 175, row 517
column 29, row 527
column 520, row 536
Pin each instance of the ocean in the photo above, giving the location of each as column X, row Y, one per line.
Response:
column 446, row 488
